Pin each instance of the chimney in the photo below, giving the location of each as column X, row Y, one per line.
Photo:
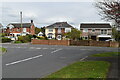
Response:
column 31, row 21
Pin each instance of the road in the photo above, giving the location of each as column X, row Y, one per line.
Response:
column 37, row 61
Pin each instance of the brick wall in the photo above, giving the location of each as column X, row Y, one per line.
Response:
column 95, row 43
column 76, row 43
column 50, row 42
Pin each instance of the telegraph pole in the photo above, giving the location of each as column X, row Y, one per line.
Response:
column 21, row 22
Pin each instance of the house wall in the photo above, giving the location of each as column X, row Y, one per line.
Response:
column 62, row 31
column 97, row 32
column 47, row 32
column 16, row 31
column 32, row 30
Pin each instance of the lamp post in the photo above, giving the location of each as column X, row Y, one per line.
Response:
column 21, row 21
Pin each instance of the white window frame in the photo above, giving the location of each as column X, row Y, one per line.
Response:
column 85, row 30
column 59, row 30
column 104, row 32
column 50, row 30
column 67, row 30
column 24, row 30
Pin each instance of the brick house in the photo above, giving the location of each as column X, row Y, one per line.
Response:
column 15, row 29
column 96, row 31
column 57, row 30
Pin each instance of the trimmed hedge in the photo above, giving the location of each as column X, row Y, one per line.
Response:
column 25, row 39
column 4, row 40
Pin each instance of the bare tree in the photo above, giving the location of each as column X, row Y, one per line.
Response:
column 109, row 10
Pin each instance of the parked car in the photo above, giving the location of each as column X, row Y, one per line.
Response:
column 110, row 40
column 12, row 38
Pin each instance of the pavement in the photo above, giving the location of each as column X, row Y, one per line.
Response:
column 37, row 61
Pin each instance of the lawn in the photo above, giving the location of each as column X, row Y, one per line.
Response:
column 107, row 54
column 87, row 69
column 2, row 49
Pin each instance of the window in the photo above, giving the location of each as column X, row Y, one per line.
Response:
column 24, row 29
column 59, row 30
column 103, row 31
column 67, row 29
column 85, row 37
column 50, row 30
column 93, row 30
column 18, row 30
column 85, row 30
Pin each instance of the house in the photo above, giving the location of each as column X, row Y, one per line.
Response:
column 96, row 31
column 17, row 29
column 57, row 30
column 40, row 34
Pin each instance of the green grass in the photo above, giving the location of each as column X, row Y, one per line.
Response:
column 2, row 49
column 87, row 69
column 17, row 42
column 107, row 54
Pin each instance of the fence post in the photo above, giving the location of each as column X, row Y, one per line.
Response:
column 68, row 41
column 110, row 44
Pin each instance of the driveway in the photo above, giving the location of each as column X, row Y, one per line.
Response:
column 37, row 61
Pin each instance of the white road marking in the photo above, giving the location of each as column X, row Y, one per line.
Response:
column 23, row 60
column 38, row 48
column 52, row 48
column 83, row 58
column 45, row 48
column 32, row 48
column 56, row 50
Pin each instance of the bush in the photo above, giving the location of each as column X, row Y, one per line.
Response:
column 4, row 40
column 25, row 39
column 2, row 34
column 17, row 42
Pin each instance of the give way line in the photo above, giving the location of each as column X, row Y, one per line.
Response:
column 29, row 58
column 23, row 60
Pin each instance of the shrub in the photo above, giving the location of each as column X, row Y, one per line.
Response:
column 25, row 39
column 4, row 40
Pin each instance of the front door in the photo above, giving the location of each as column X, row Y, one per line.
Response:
column 59, row 37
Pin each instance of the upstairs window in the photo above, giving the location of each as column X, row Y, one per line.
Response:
column 50, row 30
column 85, row 30
column 67, row 30
column 103, row 31
column 18, row 29
column 93, row 30
column 59, row 30
column 24, row 29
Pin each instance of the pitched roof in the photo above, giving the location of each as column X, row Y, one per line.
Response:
column 60, row 24
column 95, row 25
column 24, row 25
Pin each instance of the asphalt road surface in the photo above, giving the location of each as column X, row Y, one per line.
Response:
column 37, row 61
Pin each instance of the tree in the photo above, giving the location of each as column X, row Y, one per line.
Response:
column 110, row 10
column 37, row 30
column 74, row 34
column 115, row 34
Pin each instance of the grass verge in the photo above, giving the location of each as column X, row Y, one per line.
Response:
column 107, row 54
column 87, row 69
column 2, row 49
column 17, row 42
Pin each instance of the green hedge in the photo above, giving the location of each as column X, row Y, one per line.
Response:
column 17, row 42
column 25, row 39
column 4, row 40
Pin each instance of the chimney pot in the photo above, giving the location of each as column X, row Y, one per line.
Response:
column 31, row 21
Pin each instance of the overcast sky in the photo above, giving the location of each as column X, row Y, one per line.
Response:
column 45, row 13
